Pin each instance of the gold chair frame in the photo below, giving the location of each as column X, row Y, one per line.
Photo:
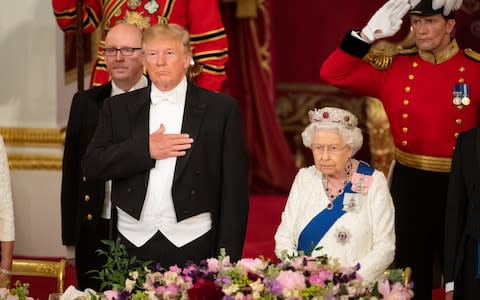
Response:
column 41, row 268
column 406, row 275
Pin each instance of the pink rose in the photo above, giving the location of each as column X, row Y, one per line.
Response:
column 361, row 183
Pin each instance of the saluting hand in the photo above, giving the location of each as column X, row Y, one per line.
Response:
column 386, row 21
column 164, row 145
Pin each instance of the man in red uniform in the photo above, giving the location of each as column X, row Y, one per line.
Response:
column 430, row 93
column 200, row 17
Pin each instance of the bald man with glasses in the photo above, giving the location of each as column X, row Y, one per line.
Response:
column 86, row 203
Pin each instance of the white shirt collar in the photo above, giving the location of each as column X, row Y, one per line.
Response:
column 143, row 82
column 172, row 96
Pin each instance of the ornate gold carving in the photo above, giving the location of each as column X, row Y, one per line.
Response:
column 33, row 136
column 42, row 268
column 381, row 140
column 34, row 162
column 294, row 102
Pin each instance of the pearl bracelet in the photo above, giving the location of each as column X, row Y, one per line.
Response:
column 5, row 271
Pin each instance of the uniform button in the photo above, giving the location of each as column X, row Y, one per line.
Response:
column 461, row 80
column 84, row 179
column 404, row 129
column 129, row 190
column 458, row 121
column 414, row 65
column 406, row 102
column 404, row 143
column 87, row 198
column 460, row 107
column 193, row 192
column 462, row 69
column 411, row 77
column 456, row 134
column 89, row 217
column 404, row 116
column 408, row 89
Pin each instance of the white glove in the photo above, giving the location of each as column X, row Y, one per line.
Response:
column 414, row 3
column 448, row 5
column 387, row 20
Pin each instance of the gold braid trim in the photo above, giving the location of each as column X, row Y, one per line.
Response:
column 469, row 52
column 423, row 162
column 381, row 58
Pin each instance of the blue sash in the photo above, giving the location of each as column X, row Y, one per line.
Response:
column 478, row 261
column 324, row 220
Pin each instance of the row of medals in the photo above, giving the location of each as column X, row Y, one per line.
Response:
column 151, row 6
column 460, row 94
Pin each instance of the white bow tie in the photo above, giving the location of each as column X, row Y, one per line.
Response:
column 157, row 96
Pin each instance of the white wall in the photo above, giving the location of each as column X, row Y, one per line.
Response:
column 33, row 94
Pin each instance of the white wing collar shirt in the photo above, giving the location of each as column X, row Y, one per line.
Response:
column 158, row 212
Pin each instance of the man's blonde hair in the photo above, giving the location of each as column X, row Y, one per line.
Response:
column 168, row 31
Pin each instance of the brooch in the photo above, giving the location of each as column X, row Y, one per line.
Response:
column 343, row 235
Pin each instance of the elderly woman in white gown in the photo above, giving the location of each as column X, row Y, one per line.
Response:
column 7, row 228
column 340, row 206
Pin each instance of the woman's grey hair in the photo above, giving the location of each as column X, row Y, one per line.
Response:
column 333, row 118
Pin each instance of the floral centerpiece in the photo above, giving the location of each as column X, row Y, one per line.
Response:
column 18, row 292
column 300, row 277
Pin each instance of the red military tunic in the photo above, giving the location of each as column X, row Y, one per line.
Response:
column 200, row 17
column 417, row 95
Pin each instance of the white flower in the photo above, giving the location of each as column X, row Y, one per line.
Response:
column 129, row 284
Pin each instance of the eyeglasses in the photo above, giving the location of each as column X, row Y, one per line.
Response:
column 126, row 51
column 331, row 149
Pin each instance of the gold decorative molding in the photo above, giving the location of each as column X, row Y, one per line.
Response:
column 381, row 140
column 33, row 136
column 34, row 162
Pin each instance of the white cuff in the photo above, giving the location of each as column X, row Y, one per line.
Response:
column 449, row 286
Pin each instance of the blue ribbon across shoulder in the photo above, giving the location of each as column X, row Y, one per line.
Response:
column 324, row 220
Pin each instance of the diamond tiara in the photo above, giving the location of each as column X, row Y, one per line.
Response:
column 333, row 115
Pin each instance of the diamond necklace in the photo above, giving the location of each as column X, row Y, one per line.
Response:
column 332, row 195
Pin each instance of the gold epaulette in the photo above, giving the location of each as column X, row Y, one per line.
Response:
column 470, row 53
column 381, row 56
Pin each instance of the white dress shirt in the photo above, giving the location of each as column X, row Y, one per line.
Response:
column 107, row 206
column 158, row 212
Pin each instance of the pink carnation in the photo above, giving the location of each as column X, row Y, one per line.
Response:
column 175, row 269
column 212, row 264
column 290, row 280
column 251, row 265
column 321, row 277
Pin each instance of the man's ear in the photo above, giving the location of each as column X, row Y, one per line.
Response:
column 451, row 25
